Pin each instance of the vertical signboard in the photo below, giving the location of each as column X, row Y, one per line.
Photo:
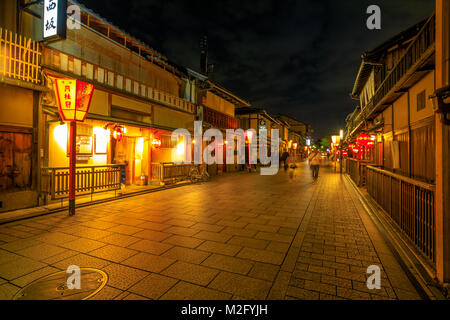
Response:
column 54, row 19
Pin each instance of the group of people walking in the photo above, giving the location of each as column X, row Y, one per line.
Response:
column 314, row 159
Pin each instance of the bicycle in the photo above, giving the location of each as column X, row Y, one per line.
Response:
column 199, row 174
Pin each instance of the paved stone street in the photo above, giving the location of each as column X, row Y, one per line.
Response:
column 240, row 236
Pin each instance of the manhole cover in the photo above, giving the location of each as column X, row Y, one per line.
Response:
column 54, row 286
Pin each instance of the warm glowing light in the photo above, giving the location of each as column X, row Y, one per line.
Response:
column 74, row 98
column 156, row 143
column 180, row 148
column 295, row 145
column 60, row 136
column 341, row 134
column 139, row 150
column 362, row 139
column 193, row 141
column 101, row 140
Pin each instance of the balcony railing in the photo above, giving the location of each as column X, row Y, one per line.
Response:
column 357, row 170
column 414, row 53
column 410, row 203
column 88, row 180
column 219, row 120
column 19, row 57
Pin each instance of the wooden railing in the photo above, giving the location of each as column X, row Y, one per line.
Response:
column 19, row 57
column 219, row 120
column 171, row 172
column 88, row 180
column 410, row 203
column 357, row 170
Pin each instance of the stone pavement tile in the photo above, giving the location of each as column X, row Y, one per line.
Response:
column 8, row 291
column 107, row 293
column 152, row 235
column 125, row 229
column 264, row 271
column 320, row 287
column 92, row 233
column 152, row 247
column 324, row 296
column 249, row 242
column 261, row 256
column 30, row 277
column 353, row 262
column 17, row 233
column 186, row 255
column 406, row 294
column 19, row 267
column 123, row 277
column 362, row 286
column 301, row 294
column 281, row 247
column 217, row 247
column 19, row 244
column 188, row 291
column 322, row 270
column 56, row 238
column 247, row 287
column 153, row 286
column 191, row 273
column 134, row 297
column 126, row 220
column 351, row 275
column 180, row 222
column 213, row 236
column 155, row 218
column 120, row 240
column 98, row 224
column 148, row 262
column 113, row 253
column 230, row 223
column 83, row 245
column 260, row 227
column 335, row 265
column 182, row 241
column 207, row 227
column 81, row 260
column 306, row 275
column 345, row 283
column 41, row 251
column 153, row 226
column 6, row 256
column 352, row 294
column 247, row 233
column 228, row 263
column 7, row 238
column 64, row 255
column 287, row 231
column 181, row 231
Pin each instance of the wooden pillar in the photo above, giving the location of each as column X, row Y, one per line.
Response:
column 442, row 198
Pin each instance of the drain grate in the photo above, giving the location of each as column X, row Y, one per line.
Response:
column 54, row 286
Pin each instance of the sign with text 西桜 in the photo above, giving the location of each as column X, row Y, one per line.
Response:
column 54, row 19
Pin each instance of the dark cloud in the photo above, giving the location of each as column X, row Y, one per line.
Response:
column 298, row 57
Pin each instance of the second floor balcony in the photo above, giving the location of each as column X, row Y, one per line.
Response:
column 19, row 58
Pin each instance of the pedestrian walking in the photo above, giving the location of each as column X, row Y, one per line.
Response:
column 283, row 159
column 314, row 163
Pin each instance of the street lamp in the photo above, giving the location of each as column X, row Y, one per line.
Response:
column 74, row 98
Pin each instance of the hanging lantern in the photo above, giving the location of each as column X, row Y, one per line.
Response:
column 118, row 133
column 362, row 139
column 370, row 144
column 295, row 146
column 156, row 143
column 74, row 98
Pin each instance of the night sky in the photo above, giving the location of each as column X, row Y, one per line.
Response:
column 298, row 57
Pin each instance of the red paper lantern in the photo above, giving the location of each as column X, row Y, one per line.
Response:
column 362, row 139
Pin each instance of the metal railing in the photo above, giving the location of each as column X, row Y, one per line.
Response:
column 88, row 180
column 19, row 57
column 410, row 203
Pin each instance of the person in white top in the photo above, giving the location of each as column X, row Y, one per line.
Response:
column 314, row 162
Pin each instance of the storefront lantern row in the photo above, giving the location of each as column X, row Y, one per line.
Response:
column 73, row 98
column 363, row 139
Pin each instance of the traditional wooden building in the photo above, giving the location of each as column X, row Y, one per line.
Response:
column 392, row 134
